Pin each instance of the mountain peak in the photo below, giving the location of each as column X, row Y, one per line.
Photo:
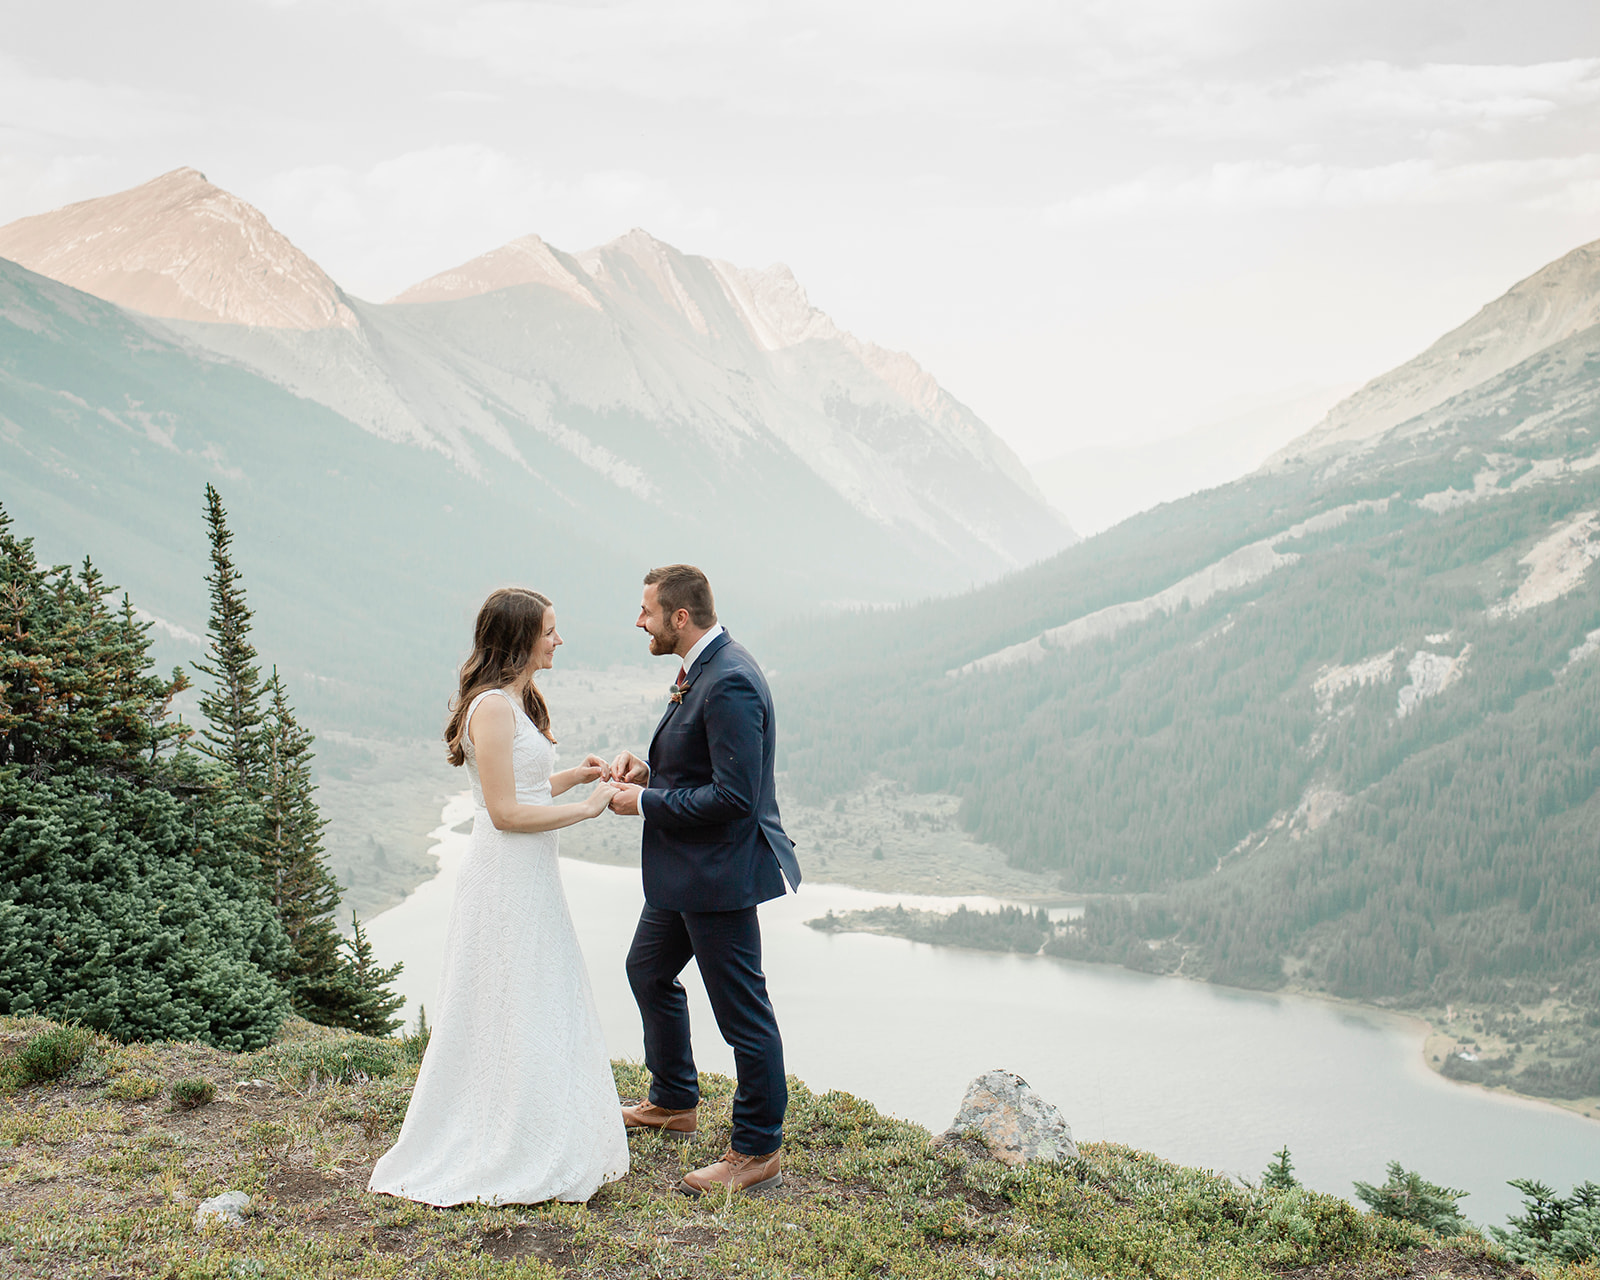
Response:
column 1555, row 302
column 525, row 260
column 182, row 249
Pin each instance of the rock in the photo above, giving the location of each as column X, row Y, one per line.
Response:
column 1015, row 1123
column 229, row 1209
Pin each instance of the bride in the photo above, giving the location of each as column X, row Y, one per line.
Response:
column 515, row 1101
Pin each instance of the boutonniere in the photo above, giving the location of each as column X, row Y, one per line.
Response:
column 677, row 691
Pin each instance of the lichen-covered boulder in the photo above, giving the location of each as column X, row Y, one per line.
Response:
column 1015, row 1123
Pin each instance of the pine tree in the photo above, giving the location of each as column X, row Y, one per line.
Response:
column 298, row 881
column 129, row 894
column 1409, row 1197
column 1279, row 1175
column 371, row 1003
column 233, row 707
column 251, row 730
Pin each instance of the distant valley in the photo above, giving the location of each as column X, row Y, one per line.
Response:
column 1334, row 726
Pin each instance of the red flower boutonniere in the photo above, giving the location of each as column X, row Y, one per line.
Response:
column 677, row 691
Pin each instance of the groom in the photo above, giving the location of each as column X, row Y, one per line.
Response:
column 713, row 848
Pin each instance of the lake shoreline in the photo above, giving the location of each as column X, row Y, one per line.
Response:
column 1435, row 1042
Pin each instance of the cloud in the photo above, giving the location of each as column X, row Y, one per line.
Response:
column 1363, row 99
column 396, row 221
column 1262, row 185
column 74, row 109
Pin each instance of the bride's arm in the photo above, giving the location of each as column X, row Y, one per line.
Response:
column 492, row 728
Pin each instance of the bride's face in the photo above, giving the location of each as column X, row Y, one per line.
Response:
column 544, row 648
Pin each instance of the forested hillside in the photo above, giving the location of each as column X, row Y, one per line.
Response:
column 1338, row 723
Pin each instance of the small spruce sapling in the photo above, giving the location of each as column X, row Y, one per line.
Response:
column 1279, row 1175
column 1553, row 1227
column 373, row 1002
column 1409, row 1197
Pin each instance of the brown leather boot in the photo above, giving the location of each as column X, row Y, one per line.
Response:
column 735, row 1172
column 678, row 1125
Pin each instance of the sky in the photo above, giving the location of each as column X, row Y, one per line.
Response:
column 1099, row 224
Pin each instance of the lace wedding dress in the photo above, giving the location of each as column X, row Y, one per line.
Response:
column 515, row 1101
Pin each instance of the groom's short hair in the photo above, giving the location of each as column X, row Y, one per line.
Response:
column 682, row 586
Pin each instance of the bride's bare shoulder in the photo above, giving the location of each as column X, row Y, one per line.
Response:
column 491, row 715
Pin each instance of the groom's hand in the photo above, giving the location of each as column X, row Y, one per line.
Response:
column 626, row 801
column 628, row 768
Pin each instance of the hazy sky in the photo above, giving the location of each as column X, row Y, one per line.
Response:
column 1095, row 222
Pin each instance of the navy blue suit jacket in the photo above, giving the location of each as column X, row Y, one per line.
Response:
column 713, row 840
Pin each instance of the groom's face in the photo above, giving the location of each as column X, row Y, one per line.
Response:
column 663, row 634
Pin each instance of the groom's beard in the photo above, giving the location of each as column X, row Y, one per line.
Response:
column 666, row 642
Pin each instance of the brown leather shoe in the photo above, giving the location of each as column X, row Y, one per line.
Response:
column 679, row 1125
column 735, row 1172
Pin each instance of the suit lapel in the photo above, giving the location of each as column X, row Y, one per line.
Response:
column 689, row 678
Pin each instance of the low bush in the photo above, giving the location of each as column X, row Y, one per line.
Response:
column 192, row 1092
column 133, row 1086
column 50, row 1054
column 302, row 1064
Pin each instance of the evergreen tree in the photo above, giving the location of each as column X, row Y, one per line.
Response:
column 371, row 1003
column 1409, row 1197
column 298, row 881
column 1279, row 1175
column 232, row 707
column 1552, row 1226
column 129, row 897
column 251, row 729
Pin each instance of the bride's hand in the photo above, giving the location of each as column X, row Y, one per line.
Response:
column 592, row 768
column 598, row 800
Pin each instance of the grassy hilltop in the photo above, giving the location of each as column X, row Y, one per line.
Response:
column 104, row 1155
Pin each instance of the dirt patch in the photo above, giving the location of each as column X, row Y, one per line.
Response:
column 552, row 1242
column 1430, row 1264
column 288, row 1185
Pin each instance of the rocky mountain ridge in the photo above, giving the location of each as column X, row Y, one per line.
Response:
column 1554, row 303
column 631, row 360
column 179, row 248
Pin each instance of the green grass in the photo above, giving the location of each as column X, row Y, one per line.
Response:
column 95, row 1183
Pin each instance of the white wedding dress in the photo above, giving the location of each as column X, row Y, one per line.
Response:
column 515, row 1101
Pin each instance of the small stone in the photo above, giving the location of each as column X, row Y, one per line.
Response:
column 229, row 1209
column 1015, row 1123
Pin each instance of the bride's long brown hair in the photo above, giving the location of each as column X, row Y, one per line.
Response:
column 509, row 625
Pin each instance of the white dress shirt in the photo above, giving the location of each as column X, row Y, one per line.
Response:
column 693, row 656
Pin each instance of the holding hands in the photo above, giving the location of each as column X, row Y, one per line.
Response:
column 599, row 800
column 629, row 774
column 625, row 799
column 620, row 781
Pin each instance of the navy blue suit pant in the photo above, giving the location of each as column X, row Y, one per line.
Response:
column 727, row 947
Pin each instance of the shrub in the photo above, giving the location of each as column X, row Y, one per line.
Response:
column 414, row 1043
column 192, row 1092
column 1553, row 1227
column 333, row 1060
column 132, row 1086
column 51, row 1054
column 1409, row 1197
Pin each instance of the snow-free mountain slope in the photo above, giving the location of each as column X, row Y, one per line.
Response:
column 652, row 379
column 1553, row 303
column 715, row 357
column 526, row 260
column 180, row 248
